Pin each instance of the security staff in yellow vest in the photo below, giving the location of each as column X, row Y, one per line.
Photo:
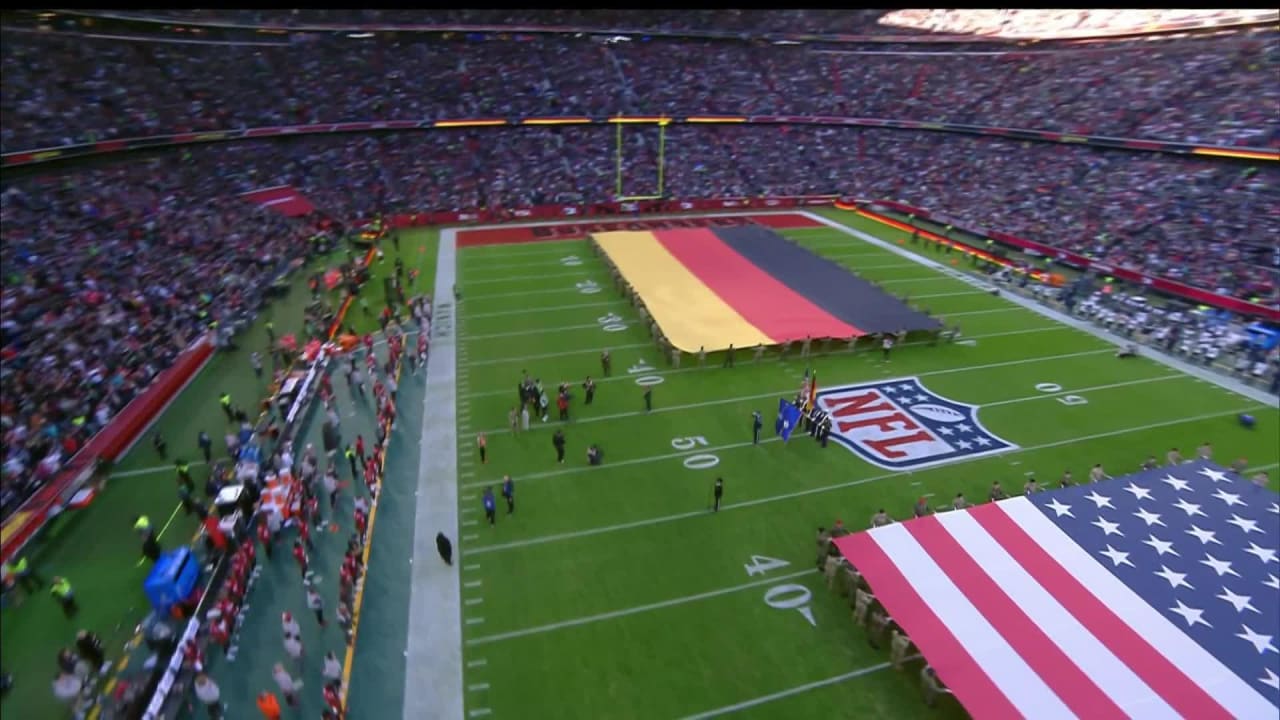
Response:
column 184, row 474
column 150, row 546
column 23, row 574
column 61, row 591
column 225, row 401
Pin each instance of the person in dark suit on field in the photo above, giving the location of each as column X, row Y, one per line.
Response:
column 558, row 441
column 717, row 493
column 445, row 548
column 648, row 398
column 509, row 493
column 756, row 424
column 589, row 387
column 728, row 357
column 490, row 506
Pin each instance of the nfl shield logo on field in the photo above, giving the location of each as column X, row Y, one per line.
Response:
column 900, row 425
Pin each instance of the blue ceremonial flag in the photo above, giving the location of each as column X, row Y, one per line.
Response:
column 788, row 418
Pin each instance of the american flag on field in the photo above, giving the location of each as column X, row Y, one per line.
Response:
column 1155, row 595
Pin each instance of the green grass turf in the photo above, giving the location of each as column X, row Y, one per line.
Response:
column 560, row 631
column 96, row 549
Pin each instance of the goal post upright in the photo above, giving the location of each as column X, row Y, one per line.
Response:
column 619, row 121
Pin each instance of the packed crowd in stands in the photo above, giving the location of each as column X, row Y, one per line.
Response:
column 89, row 254
column 64, row 89
column 108, row 275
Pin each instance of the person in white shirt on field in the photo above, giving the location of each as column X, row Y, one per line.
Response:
column 289, row 686
column 332, row 669
column 209, row 695
column 293, row 648
column 289, row 625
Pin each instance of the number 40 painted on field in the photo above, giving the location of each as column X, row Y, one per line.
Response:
column 783, row 597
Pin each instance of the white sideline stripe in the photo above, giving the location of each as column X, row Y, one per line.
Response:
column 473, row 601
column 469, row 538
column 479, row 712
column 734, row 446
column 596, row 350
column 1022, row 686
column 475, row 621
column 478, row 687
column 1015, row 308
column 868, row 267
column 477, row 663
column 473, row 584
column 1236, row 696
column 536, row 310
column 840, row 486
column 754, row 702
column 153, row 468
column 747, row 363
column 759, row 396
column 518, row 278
column 539, row 629
column 535, row 331
column 1115, row 679
column 1260, row 468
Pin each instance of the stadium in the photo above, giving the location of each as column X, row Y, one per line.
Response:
column 869, row 363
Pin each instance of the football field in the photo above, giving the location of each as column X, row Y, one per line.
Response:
column 615, row 591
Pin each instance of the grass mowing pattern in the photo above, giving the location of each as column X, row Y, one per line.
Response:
column 614, row 592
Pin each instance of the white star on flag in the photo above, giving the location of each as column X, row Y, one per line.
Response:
column 1204, row 536
column 1231, row 499
column 1191, row 615
column 1176, row 483
column 1139, row 493
column 1176, row 579
column 1117, row 557
column 1108, row 528
column 1222, row 567
column 1261, row 642
column 1244, row 524
column 1162, row 547
column 1272, row 582
column 1100, row 500
column 1241, row 602
column 1214, row 475
column 1149, row 518
column 1191, row 509
column 1060, row 509
column 1270, row 679
column 1266, row 555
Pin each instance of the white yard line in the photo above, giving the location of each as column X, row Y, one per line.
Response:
column 567, row 353
column 837, row 486
column 517, row 278
column 788, row 392
column 750, row 363
column 930, row 278
column 153, row 469
column 1261, row 468
column 535, row 331
column 466, row 297
column 536, row 310
column 748, row 704
column 735, row 446
column 539, row 629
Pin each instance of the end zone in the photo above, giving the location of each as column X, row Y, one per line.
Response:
column 574, row 230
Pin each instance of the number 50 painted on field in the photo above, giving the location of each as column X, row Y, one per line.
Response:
column 701, row 461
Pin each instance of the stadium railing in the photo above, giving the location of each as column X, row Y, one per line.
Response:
column 41, row 155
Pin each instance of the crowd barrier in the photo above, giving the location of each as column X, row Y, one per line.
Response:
column 1168, row 287
column 107, row 445
column 32, row 157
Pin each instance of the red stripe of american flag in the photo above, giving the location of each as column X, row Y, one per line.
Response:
column 1182, row 693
